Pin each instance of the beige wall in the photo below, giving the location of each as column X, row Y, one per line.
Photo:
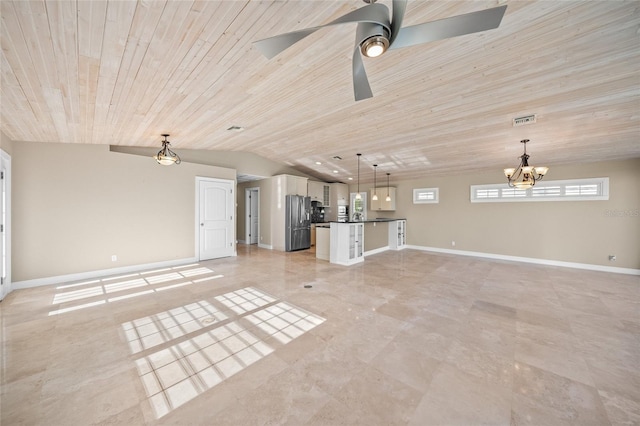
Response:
column 74, row 206
column 376, row 235
column 6, row 144
column 569, row 231
column 243, row 162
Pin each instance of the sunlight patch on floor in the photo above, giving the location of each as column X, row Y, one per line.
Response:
column 180, row 372
column 107, row 286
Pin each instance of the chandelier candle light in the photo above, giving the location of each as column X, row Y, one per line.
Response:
column 524, row 176
column 165, row 156
column 375, row 188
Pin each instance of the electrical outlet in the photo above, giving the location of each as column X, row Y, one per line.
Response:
column 612, row 258
column 114, row 258
column 453, row 243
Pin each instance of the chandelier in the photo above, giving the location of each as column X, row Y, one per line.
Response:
column 524, row 176
column 165, row 156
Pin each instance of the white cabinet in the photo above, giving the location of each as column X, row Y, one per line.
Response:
column 381, row 204
column 323, row 242
column 339, row 195
column 295, row 185
column 346, row 243
column 397, row 234
column 320, row 192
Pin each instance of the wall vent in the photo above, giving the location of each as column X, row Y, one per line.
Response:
column 521, row 121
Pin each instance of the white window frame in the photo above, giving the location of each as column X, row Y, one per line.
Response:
column 502, row 193
column 418, row 191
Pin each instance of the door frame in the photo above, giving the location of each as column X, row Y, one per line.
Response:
column 5, row 165
column 247, row 213
column 196, row 221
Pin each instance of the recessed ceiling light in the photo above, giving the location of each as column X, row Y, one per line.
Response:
column 350, row 178
column 335, row 171
column 236, row 128
column 318, row 163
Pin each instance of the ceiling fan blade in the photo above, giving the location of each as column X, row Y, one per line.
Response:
column 449, row 27
column 399, row 7
column 361, row 88
column 271, row 46
column 373, row 13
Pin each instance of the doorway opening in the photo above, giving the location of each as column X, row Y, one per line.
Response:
column 252, row 215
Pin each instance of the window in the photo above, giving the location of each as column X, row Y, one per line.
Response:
column 425, row 196
column 558, row 190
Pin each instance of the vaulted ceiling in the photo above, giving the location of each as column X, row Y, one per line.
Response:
column 124, row 72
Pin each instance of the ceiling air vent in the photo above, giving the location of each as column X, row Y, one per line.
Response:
column 521, row 121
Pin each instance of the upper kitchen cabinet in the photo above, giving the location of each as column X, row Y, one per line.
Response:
column 320, row 192
column 381, row 204
column 289, row 185
column 295, row 185
column 339, row 194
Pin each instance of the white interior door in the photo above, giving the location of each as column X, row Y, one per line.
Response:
column 216, row 221
column 254, row 213
column 5, row 224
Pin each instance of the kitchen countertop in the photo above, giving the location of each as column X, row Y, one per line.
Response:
column 371, row 220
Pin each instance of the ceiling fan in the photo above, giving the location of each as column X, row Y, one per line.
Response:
column 376, row 33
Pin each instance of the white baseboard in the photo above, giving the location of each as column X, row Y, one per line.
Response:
column 375, row 251
column 99, row 273
column 587, row 266
column 241, row 242
column 265, row 246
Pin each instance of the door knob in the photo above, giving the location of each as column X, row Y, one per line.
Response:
column 202, row 224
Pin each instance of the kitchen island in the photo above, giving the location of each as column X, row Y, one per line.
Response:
column 322, row 241
column 347, row 239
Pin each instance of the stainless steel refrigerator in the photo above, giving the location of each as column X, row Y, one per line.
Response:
column 298, row 222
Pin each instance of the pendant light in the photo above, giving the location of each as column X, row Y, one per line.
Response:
column 165, row 156
column 388, row 195
column 358, row 196
column 375, row 187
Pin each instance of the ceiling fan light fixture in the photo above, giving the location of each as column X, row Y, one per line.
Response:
column 374, row 46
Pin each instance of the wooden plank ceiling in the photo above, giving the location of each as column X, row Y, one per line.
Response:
column 124, row 72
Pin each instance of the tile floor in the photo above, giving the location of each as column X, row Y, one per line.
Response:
column 404, row 338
